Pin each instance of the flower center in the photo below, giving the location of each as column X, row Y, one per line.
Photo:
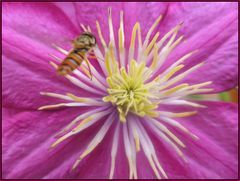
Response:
column 129, row 93
column 132, row 87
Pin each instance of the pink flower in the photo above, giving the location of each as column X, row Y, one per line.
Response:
column 134, row 119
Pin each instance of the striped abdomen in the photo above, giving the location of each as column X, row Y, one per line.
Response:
column 72, row 61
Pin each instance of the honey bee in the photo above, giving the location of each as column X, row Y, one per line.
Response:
column 81, row 47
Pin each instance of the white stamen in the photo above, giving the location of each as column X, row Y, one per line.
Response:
column 183, row 93
column 166, row 139
column 179, row 77
column 166, row 131
column 146, row 148
column 153, row 153
column 121, row 41
column 165, row 52
column 96, row 112
column 82, row 85
column 89, row 29
column 71, row 104
column 182, row 102
column 151, row 30
column 134, row 154
column 63, row 51
column 82, row 126
column 181, row 60
column 96, row 140
column 83, row 27
column 128, row 151
column 101, row 63
column 178, row 125
column 60, row 96
column 161, row 42
column 114, row 150
column 111, row 32
column 139, row 44
column 94, row 80
column 55, row 57
column 132, row 45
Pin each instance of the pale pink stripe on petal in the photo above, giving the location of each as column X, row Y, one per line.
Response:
column 214, row 155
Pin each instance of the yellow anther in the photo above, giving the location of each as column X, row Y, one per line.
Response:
column 139, row 36
column 121, row 33
column 108, row 64
column 174, row 89
column 113, row 62
column 155, row 57
column 146, row 52
column 76, row 98
column 151, row 29
column 100, row 34
column 134, row 31
column 129, row 93
column 87, row 151
column 136, row 139
column 60, row 140
column 173, row 71
column 82, row 123
column 196, row 86
column 184, row 114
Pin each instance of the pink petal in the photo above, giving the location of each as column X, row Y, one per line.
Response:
column 26, row 156
column 146, row 13
column 24, row 80
column 40, row 26
column 210, row 28
column 32, row 35
column 28, row 136
column 44, row 23
column 26, row 46
column 214, row 155
column 220, row 66
column 194, row 15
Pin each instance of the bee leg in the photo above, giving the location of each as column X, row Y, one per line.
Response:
column 92, row 56
column 88, row 64
column 95, row 57
column 91, row 52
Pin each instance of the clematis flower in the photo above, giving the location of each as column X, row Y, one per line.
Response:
column 135, row 118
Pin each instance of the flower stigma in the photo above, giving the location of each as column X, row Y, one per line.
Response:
column 132, row 86
column 129, row 92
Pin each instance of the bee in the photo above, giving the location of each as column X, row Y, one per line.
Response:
column 81, row 47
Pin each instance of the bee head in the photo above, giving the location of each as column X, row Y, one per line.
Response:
column 86, row 39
